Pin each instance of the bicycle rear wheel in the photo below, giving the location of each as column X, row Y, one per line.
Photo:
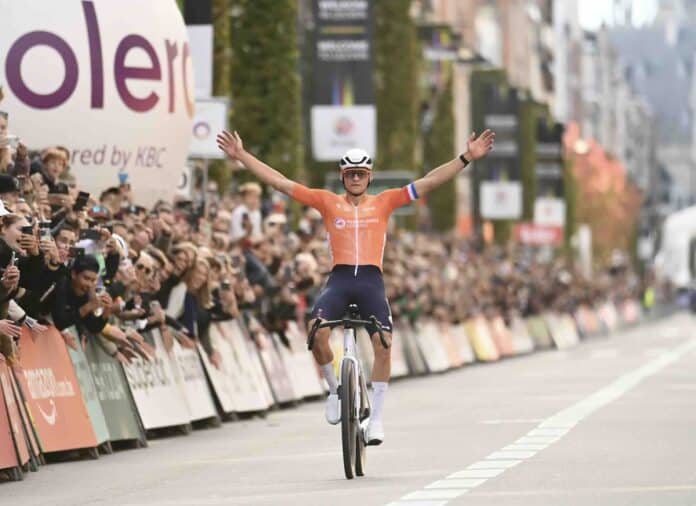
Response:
column 349, row 422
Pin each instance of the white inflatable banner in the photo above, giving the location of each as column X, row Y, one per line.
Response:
column 111, row 81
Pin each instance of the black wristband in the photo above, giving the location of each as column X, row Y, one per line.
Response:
column 463, row 159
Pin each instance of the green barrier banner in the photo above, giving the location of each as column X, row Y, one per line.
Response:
column 114, row 396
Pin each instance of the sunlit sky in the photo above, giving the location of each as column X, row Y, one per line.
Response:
column 594, row 12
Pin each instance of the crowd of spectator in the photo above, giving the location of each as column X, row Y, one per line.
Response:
column 106, row 265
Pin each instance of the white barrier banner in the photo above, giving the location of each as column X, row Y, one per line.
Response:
column 159, row 401
column 192, row 382
column 110, row 81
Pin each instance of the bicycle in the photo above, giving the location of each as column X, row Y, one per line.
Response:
column 352, row 390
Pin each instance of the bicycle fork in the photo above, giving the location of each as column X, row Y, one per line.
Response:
column 361, row 397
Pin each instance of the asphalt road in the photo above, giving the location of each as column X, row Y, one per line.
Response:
column 611, row 422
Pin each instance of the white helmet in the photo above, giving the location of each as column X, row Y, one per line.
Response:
column 356, row 158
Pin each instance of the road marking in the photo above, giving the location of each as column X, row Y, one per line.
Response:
column 494, row 464
column 515, row 420
column 452, row 483
column 547, row 432
column 478, row 473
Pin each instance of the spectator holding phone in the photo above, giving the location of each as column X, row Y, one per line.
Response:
column 77, row 300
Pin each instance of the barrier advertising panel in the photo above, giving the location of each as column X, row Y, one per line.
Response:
column 431, row 347
column 233, row 388
column 17, row 440
column 539, row 332
column 275, row 369
column 481, row 339
column 461, row 339
column 89, row 391
column 414, row 358
column 257, row 396
column 190, row 377
column 51, row 389
column 306, row 376
column 114, row 394
column 156, row 394
column 521, row 340
column 26, row 421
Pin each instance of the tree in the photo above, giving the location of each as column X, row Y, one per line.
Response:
column 222, row 61
column 396, row 85
column 438, row 148
column 265, row 82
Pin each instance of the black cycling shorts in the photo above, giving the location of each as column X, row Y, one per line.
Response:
column 366, row 289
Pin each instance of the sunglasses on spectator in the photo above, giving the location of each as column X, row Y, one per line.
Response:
column 3, row 115
column 147, row 270
column 275, row 224
column 353, row 173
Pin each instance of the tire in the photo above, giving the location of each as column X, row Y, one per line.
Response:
column 349, row 424
column 360, row 450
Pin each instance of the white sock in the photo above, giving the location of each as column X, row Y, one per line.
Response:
column 379, row 390
column 330, row 377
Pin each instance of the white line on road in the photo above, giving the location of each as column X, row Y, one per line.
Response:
column 548, row 431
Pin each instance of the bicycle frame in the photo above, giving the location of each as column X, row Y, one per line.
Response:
column 350, row 354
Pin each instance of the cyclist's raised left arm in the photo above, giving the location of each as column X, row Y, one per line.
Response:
column 232, row 146
column 477, row 147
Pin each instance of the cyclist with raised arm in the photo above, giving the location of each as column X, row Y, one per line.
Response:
column 356, row 224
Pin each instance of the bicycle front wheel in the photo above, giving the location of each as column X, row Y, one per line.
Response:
column 349, row 422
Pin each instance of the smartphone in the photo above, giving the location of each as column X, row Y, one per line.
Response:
column 81, row 201
column 14, row 259
column 13, row 141
column 45, row 234
column 59, row 189
column 225, row 286
column 75, row 252
column 28, row 230
column 90, row 233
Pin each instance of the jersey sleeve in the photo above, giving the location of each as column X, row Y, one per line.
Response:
column 399, row 197
column 308, row 196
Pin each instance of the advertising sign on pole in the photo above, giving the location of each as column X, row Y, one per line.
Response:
column 501, row 200
column 210, row 119
column 343, row 114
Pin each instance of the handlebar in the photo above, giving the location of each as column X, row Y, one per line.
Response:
column 349, row 323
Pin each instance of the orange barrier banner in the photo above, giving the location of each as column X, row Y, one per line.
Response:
column 461, row 341
column 587, row 320
column 13, row 441
column 50, row 387
column 502, row 337
column 26, row 422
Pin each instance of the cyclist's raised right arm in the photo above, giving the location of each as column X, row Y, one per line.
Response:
column 232, row 146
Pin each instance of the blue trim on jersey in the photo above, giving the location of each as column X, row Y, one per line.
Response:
column 412, row 191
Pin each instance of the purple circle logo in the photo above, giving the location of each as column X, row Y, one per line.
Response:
column 340, row 223
column 201, row 130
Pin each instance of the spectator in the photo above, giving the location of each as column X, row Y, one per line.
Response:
column 246, row 217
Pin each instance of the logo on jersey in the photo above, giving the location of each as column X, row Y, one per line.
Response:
column 340, row 223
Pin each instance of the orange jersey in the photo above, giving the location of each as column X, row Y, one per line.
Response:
column 357, row 234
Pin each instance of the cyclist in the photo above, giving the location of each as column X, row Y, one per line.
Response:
column 356, row 224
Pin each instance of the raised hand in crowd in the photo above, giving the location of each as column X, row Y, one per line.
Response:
column 9, row 328
column 70, row 340
column 10, row 278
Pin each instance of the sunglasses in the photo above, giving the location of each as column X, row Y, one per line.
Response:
column 3, row 115
column 275, row 224
column 353, row 173
column 147, row 270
